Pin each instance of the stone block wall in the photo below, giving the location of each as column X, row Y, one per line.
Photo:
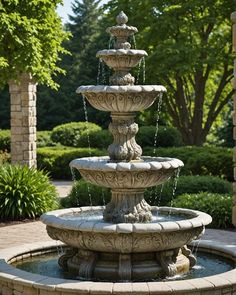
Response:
column 233, row 18
column 23, row 121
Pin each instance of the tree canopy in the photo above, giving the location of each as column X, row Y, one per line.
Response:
column 189, row 45
column 31, row 34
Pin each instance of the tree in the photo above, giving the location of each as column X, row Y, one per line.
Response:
column 188, row 42
column 31, row 35
column 81, row 67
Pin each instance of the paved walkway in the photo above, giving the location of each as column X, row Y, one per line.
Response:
column 31, row 232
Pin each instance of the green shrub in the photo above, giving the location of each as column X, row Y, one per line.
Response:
column 216, row 205
column 166, row 136
column 205, row 160
column 25, row 192
column 4, row 157
column 187, row 184
column 55, row 160
column 5, row 140
column 81, row 192
column 70, row 133
column 44, row 139
column 100, row 139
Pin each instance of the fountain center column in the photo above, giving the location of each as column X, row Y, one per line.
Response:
column 124, row 147
column 127, row 206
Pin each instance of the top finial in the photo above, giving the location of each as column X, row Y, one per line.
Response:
column 121, row 18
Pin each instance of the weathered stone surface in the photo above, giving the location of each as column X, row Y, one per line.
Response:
column 23, row 121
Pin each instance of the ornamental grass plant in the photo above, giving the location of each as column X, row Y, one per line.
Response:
column 25, row 192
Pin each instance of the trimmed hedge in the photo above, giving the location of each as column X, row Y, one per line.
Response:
column 213, row 161
column 166, row 136
column 43, row 139
column 5, row 140
column 80, row 195
column 217, row 205
column 189, row 185
column 100, row 139
column 205, row 160
column 55, row 160
column 69, row 134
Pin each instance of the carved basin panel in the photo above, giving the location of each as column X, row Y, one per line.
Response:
column 149, row 171
column 97, row 235
column 121, row 98
column 124, row 243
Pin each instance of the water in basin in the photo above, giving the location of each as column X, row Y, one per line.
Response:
column 96, row 215
column 207, row 265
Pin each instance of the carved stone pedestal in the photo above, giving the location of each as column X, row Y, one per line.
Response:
column 127, row 205
column 127, row 266
column 124, row 146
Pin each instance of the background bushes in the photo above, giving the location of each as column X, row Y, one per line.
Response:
column 79, row 195
column 187, row 184
column 166, row 136
column 5, row 140
column 43, row 139
column 217, row 205
column 200, row 160
column 25, row 192
column 55, row 160
column 69, row 134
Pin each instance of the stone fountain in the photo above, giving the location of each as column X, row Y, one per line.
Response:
column 129, row 242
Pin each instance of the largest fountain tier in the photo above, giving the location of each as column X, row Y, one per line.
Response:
column 121, row 251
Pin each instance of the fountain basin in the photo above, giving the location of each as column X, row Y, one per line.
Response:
column 149, row 171
column 15, row 281
column 121, row 59
column 125, row 251
column 121, row 98
column 98, row 235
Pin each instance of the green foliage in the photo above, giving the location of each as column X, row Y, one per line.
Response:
column 25, row 192
column 200, row 160
column 44, row 139
column 5, row 140
column 64, row 105
column 69, row 134
column 99, row 139
column 187, row 184
column 166, row 136
column 31, row 35
column 4, row 157
column 189, row 51
column 55, row 160
column 216, row 205
column 79, row 195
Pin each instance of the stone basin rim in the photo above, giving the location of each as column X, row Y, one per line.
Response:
column 121, row 52
column 121, row 89
column 66, row 286
column 148, row 164
column 53, row 219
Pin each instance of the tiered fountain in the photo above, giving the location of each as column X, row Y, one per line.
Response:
column 129, row 242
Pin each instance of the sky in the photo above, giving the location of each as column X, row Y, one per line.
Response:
column 64, row 10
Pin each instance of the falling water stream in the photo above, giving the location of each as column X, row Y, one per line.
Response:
column 175, row 182
column 159, row 105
